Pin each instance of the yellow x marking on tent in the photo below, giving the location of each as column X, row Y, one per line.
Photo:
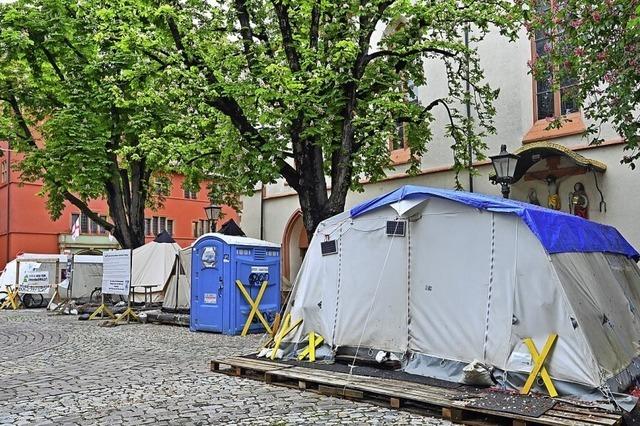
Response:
column 538, row 367
column 12, row 300
column 284, row 331
column 254, row 307
column 315, row 340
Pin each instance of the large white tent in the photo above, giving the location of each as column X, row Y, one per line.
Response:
column 442, row 278
column 151, row 265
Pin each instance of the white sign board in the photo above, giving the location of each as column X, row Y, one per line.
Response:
column 116, row 272
column 35, row 283
column 211, row 298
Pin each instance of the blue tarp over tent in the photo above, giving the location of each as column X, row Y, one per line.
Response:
column 557, row 231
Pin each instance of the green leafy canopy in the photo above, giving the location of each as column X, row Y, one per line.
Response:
column 247, row 91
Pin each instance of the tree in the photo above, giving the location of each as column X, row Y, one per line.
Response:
column 85, row 112
column 596, row 44
column 301, row 89
column 247, row 91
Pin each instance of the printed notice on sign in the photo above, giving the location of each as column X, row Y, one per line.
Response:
column 211, row 298
column 116, row 272
column 35, row 283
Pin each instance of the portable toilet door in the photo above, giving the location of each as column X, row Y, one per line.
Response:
column 207, row 285
column 251, row 267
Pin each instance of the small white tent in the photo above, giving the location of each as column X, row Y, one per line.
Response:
column 177, row 297
column 87, row 276
column 152, row 264
column 443, row 278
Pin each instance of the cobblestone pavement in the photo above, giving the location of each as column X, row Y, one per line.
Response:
column 58, row 370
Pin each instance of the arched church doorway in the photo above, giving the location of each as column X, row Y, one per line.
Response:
column 294, row 246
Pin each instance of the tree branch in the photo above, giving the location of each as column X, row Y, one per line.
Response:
column 314, row 29
column 78, row 53
column 245, row 31
column 22, row 122
column 67, row 195
column 52, row 60
column 230, row 107
column 282, row 12
column 407, row 53
column 155, row 57
column 84, row 208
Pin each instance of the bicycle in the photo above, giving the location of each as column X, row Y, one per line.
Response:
column 28, row 300
column 96, row 297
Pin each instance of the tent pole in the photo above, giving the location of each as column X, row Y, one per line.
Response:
column 70, row 276
column 56, row 280
column 178, row 269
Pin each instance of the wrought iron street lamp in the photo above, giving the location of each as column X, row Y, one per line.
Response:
column 505, row 167
column 213, row 213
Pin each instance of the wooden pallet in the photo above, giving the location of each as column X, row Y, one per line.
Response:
column 452, row 404
column 239, row 366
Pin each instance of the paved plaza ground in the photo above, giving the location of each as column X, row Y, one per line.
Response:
column 58, row 370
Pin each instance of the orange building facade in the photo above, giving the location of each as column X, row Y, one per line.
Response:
column 26, row 227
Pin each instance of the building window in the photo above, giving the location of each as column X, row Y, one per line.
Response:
column 101, row 230
column 549, row 102
column 93, row 226
column 84, row 224
column 157, row 224
column 4, row 172
column 74, row 219
column 191, row 194
column 399, row 143
column 199, row 227
column 87, row 226
column 147, row 226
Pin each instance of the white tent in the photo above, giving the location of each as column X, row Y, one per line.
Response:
column 152, row 264
column 87, row 276
column 443, row 278
column 8, row 276
column 87, row 272
column 177, row 296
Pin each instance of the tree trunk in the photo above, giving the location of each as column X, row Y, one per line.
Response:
column 126, row 197
column 315, row 202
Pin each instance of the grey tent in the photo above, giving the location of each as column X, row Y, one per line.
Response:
column 177, row 295
column 443, row 278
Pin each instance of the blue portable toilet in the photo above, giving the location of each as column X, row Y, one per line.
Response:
column 217, row 261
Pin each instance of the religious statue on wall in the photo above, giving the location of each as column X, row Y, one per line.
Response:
column 553, row 201
column 578, row 201
column 532, row 197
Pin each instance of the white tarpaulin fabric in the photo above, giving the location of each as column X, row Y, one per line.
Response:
column 87, row 274
column 8, row 277
column 177, row 296
column 151, row 266
column 467, row 284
